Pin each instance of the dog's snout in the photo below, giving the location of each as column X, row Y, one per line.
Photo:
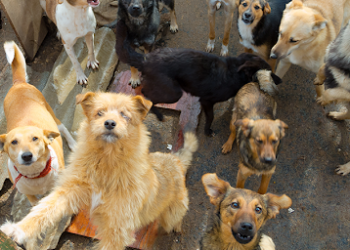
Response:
column 110, row 124
column 27, row 156
column 136, row 7
column 273, row 55
column 247, row 15
column 246, row 226
column 268, row 160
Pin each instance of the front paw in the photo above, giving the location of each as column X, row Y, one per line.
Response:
column 210, row 45
column 93, row 64
column 226, row 148
column 209, row 132
column 224, row 50
column 174, row 28
column 321, row 101
column 134, row 82
column 343, row 169
column 14, row 231
column 82, row 80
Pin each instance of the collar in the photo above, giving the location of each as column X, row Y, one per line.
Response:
column 43, row 173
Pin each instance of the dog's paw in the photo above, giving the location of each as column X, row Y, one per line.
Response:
column 210, row 45
column 134, row 82
column 174, row 28
column 14, row 231
column 82, row 80
column 209, row 132
column 338, row 116
column 226, row 148
column 321, row 101
column 93, row 64
column 343, row 169
column 218, row 5
column 224, row 50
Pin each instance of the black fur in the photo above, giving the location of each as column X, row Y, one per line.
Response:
column 168, row 72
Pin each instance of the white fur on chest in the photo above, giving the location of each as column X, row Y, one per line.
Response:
column 214, row 2
column 246, row 35
column 74, row 22
column 36, row 186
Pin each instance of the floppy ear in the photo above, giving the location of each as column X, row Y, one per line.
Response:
column 250, row 67
column 320, row 23
column 2, row 141
column 275, row 203
column 267, row 9
column 214, row 187
column 246, row 125
column 295, row 4
column 276, row 79
column 143, row 105
column 86, row 101
column 50, row 135
column 282, row 127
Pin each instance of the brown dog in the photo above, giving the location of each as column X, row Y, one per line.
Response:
column 124, row 185
column 33, row 142
column 239, row 216
column 258, row 134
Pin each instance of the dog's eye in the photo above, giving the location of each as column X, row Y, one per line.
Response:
column 258, row 210
column 256, row 7
column 274, row 141
column 291, row 40
column 35, row 138
column 235, row 205
column 124, row 116
column 259, row 141
column 100, row 113
column 244, row 4
column 14, row 142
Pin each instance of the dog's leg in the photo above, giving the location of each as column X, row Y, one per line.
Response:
column 342, row 115
column 265, row 181
column 282, row 67
column 272, row 63
column 134, row 79
column 343, row 169
column 32, row 199
column 81, row 78
column 173, row 23
column 157, row 113
column 92, row 62
column 209, row 113
column 211, row 16
column 246, row 50
column 227, row 147
column 333, row 95
column 242, row 175
column 228, row 9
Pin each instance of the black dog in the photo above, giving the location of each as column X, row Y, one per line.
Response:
column 166, row 72
column 142, row 18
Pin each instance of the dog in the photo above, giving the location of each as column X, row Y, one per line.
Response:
column 167, row 72
column 74, row 19
column 258, row 22
column 239, row 216
column 307, row 28
column 258, row 133
column 124, row 185
column 142, row 18
column 33, row 142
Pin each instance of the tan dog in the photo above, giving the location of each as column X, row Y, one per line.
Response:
column 124, row 185
column 258, row 134
column 239, row 216
column 32, row 142
column 74, row 19
column 306, row 29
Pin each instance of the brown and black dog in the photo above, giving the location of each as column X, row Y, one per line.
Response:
column 239, row 216
column 258, row 134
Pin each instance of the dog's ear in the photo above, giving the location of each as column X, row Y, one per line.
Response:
column 320, row 23
column 275, row 203
column 295, row 4
column 267, row 9
column 86, row 101
column 143, row 105
column 214, row 187
column 50, row 135
column 238, row 2
column 282, row 127
column 276, row 78
column 250, row 67
column 246, row 125
column 2, row 141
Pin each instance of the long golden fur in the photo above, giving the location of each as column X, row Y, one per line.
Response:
column 113, row 173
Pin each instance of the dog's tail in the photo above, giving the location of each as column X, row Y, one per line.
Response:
column 125, row 52
column 190, row 146
column 267, row 81
column 16, row 59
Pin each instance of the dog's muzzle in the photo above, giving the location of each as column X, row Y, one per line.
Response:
column 135, row 10
column 245, row 233
column 247, row 18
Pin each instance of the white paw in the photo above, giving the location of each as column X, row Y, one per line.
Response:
column 210, row 45
column 343, row 169
column 224, row 51
column 174, row 28
column 134, row 82
column 93, row 64
column 266, row 243
column 13, row 231
column 218, row 5
column 335, row 115
column 82, row 79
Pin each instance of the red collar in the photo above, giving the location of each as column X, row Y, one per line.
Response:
column 45, row 172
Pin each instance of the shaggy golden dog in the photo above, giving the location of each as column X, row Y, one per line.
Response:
column 112, row 172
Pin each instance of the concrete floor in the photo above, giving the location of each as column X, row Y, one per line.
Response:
column 313, row 147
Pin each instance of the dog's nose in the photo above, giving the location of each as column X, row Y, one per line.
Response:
column 27, row 156
column 136, row 7
column 246, row 226
column 268, row 160
column 110, row 124
column 247, row 15
column 273, row 56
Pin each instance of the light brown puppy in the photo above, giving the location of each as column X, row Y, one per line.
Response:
column 239, row 216
column 306, row 29
column 113, row 173
column 258, row 134
column 33, row 142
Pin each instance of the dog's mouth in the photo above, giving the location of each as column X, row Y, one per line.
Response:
column 93, row 3
column 109, row 137
column 247, row 20
column 242, row 238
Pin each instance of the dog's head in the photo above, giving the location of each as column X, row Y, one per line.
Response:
column 263, row 138
column 251, row 11
column 92, row 3
column 27, row 145
column 242, row 212
column 111, row 116
column 136, row 8
column 299, row 25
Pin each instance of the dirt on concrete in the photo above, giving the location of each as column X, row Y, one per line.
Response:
column 313, row 147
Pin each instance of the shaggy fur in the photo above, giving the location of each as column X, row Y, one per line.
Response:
column 258, row 134
column 113, row 173
column 239, row 216
column 168, row 72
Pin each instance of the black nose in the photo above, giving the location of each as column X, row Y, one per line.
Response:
column 136, row 7
column 110, row 124
column 273, row 56
column 247, row 15
column 246, row 226
column 27, row 156
column 268, row 160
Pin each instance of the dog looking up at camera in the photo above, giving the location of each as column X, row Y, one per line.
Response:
column 113, row 172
